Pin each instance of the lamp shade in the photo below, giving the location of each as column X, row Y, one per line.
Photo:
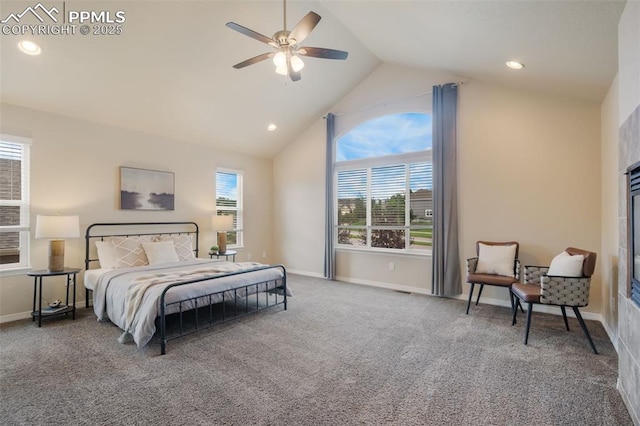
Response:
column 57, row 227
column 222, row 223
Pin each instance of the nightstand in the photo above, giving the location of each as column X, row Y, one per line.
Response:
column 70, row 273
column 227, row 254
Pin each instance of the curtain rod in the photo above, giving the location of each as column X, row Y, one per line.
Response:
column 385, row 103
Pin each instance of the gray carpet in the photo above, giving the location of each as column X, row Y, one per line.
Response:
column 340, row 355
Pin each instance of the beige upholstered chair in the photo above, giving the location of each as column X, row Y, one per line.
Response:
column 499, row 266
column 563, row 291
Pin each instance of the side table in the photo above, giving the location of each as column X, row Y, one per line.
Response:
column 227, row 254
column 70, row 273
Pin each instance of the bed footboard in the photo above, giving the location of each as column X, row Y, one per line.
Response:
column 232, row 303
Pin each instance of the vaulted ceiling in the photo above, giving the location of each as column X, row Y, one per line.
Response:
column 170, row 72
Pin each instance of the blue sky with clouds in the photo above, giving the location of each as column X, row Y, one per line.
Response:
column 227, row 185
column 387, row 135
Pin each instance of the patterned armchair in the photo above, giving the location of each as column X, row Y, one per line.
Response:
column 563, row 291
column 496, row 264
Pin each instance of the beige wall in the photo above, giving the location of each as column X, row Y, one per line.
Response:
column 75, row 170
column 529, row 170
column 609, row 221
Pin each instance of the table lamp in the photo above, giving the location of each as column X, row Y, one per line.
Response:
column 222, row 224
column 56, row 229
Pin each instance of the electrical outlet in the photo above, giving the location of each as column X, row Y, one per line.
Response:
column 392, row 266
column 248, row 256
column 264, row 254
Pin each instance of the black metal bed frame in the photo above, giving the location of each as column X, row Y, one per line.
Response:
column 267, row 287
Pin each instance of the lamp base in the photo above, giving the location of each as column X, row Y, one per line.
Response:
column 222, row 242
column 56, row 255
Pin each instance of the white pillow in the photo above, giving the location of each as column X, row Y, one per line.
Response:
column 566, row 265
column 129, row 251
column 160, row 252
column 497, row 260
column 106, row 254
column 183, row 245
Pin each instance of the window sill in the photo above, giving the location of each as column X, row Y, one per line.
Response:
column 23, row 270
column 385, row 252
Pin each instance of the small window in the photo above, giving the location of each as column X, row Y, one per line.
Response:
column 229, row 202
column 14, row 202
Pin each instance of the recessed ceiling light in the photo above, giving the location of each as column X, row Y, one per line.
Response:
column 515, row 65
column 271, row 127
column 29, row 47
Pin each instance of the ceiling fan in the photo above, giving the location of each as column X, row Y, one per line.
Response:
column 288, row 51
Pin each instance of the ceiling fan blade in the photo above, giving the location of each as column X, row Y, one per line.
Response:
column 293, row 75
column 246, row 31
column 320, row 52
column 304, row 27
column 254, row 60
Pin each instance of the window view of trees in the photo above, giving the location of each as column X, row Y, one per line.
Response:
column 373, row 210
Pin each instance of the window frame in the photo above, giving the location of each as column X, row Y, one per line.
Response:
column 239, row 208
column 24, row 228
column 404, row 159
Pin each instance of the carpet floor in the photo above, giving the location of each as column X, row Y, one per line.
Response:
column 341, row 354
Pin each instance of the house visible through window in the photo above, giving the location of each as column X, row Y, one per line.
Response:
column 229, row 202
column 14, row 202
column 383, row 181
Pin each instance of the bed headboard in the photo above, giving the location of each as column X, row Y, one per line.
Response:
column 100, row 231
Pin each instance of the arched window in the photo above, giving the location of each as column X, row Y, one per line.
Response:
column 383, row 184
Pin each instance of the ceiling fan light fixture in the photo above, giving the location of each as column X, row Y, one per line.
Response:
column 282, row 70
column 296, row 63
column 280, row 60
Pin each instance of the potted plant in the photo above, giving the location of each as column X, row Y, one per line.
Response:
column 213, row 250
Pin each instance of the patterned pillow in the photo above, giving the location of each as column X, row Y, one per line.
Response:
column 129, row 251
column 183, row 245
column 160, row 252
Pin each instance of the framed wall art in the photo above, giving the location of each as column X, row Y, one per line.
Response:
column 142, row 189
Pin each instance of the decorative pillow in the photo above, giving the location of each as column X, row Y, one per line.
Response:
column 106, row 254
column 160, row 252
column 183, row 245
column 497, row 260
column 566, row 265
column 129, row 251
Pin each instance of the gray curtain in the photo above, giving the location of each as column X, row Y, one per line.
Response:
column 329, row 243
column 447, row 279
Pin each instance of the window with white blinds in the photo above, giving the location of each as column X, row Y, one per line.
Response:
column 14, row 202
column 229, row 202
column 384, row 190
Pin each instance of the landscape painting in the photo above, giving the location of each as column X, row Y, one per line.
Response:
column 142, row 189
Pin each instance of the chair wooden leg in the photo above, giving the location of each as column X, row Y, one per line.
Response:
column 470, row 297
column 526, row 333
column 564, row 315
column 584, row 329
column 479, row 293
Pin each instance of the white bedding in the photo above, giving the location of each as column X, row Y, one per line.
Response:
column 91, row 277
column 113, row 288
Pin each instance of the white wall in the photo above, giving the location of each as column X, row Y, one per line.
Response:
column 529, row 170
column 75, row 170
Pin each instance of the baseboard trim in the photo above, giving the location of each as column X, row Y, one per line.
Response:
column 27, row 314
column 305, row 273
column 396, row 287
